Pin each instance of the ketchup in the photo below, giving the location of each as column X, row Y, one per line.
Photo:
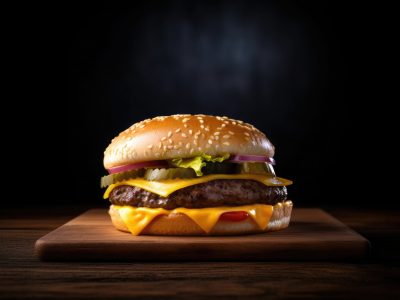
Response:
column 234, row 216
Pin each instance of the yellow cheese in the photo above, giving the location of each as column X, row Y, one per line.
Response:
column 166, row 187
column 137, row 218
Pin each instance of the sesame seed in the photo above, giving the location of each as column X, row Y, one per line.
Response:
column 169, row 134
column 201, row 121
column 247, row 138
column 159, row 145
column 170, row 147
column 226, row 143
column 195, row 142
column 177, row 130
column 231, row 132
column 190, row 131
column 185, row 120
column 246, row 133
column 199, row 148
column 226, row 136
column 234, row 123
column 210, row 141
column 202, row 126
column 240, row 122
column 217, row 138
column 170, row 141
column 185, row 125
column 187, row 146
column 165, row 148
column 150, row 146
column 184, row 135
column 191, row 151
column 163, row 138
column 216, row 133
column 223, row 125
column 207, row 128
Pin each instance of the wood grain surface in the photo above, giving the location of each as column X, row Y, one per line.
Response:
column 312, row 235
column 23, row 276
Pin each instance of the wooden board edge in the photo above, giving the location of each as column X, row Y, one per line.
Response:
column 360, row 237
column 56, row 251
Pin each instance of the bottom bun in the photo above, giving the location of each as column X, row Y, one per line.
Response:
column 180, row 224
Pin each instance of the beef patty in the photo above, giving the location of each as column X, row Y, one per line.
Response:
column 209, row 194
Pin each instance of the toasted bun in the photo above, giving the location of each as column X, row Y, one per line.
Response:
column 180, row 224
column 185, row 136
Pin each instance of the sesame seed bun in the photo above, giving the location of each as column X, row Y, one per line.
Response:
column 180, row 224
column 185, row 136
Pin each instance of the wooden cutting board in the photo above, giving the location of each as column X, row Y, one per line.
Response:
column 312, row 235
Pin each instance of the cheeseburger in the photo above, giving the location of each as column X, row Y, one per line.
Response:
column 194, row 175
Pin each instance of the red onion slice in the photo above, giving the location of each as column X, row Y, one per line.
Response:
column 251, row 158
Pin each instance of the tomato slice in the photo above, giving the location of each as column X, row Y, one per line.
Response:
column 234, row 216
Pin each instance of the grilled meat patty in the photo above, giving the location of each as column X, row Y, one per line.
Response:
column 223, row 192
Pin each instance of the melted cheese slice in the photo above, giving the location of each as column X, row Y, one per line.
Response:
column 166, row 187
column 137, row 218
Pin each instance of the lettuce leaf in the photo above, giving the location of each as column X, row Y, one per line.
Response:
column 198, row 162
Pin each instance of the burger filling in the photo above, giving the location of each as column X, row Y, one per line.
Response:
column 205, row 188
column 214, row 193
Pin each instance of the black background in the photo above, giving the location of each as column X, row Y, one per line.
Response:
column 316, row 77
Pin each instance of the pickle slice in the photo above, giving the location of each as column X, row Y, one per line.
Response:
column 219, row 168
column 117, row 177
column 256, row 168
column 170, row 173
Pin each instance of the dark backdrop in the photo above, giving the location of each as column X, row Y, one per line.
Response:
column 311, row 75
